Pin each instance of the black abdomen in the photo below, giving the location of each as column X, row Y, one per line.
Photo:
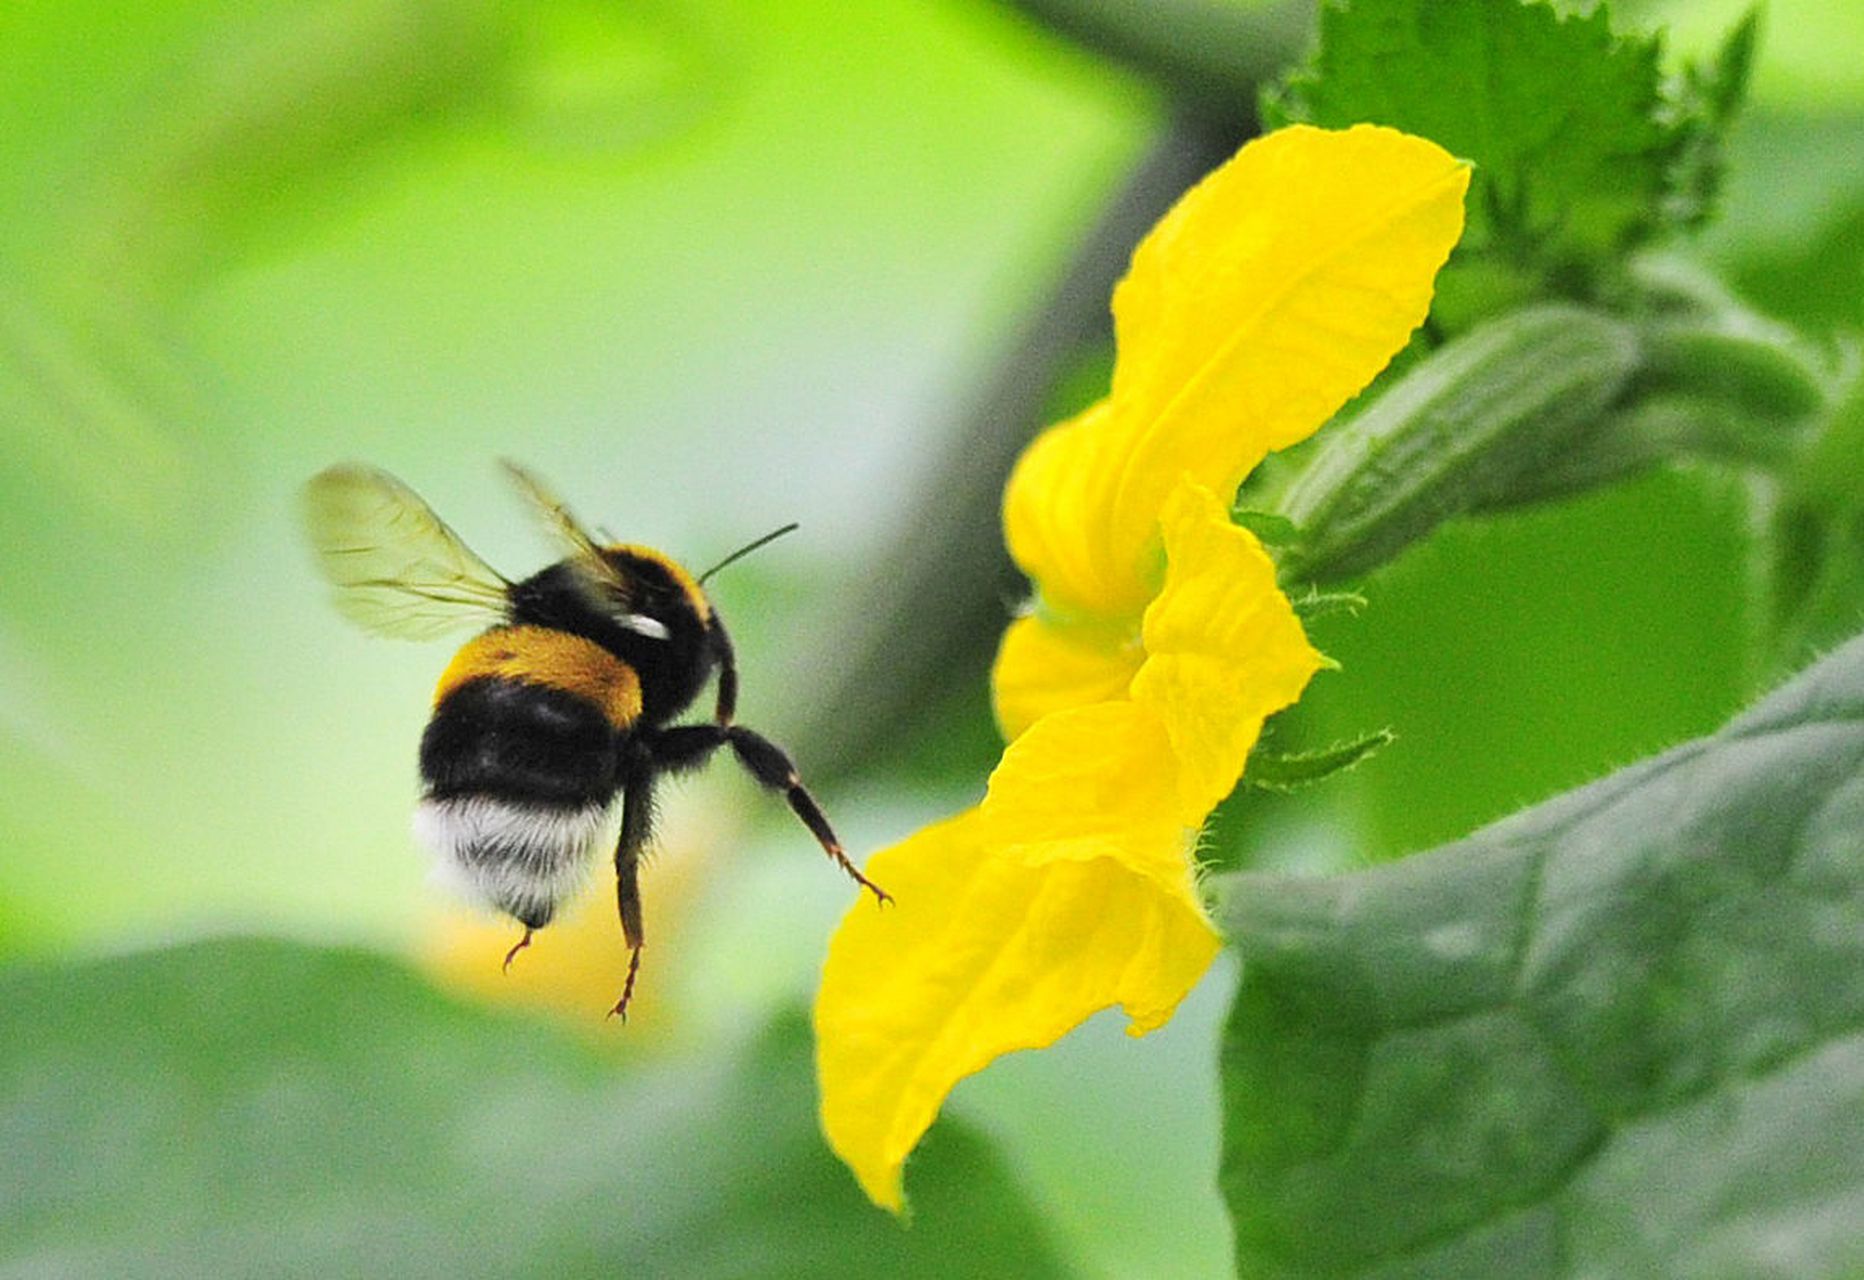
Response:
column 503, row 738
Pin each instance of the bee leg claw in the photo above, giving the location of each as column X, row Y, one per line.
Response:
column 880, row 895
column 627, row 988
column 520, row 945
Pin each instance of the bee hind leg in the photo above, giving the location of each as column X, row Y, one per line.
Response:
column 772, row 767
column 627, row 988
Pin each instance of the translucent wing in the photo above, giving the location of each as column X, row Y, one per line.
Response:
column 554, row 512
column 599, row 575
column 395, row 567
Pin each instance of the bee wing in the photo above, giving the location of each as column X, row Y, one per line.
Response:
column 605, row 583
column 554, row 512
column 395, row 567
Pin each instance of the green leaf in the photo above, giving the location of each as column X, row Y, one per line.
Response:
column 262, row 1108
column 1271, row 530
column 1704, row 100
column 1620, row 1034
column 1556, row 111
column 1271, row 771
column 1581, row 146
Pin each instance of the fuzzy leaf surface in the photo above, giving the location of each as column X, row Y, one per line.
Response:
column 1621, row 1033
column 1581, row 145
column 264, row 1108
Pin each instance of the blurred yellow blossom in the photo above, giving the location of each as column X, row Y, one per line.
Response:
column 1132, row 694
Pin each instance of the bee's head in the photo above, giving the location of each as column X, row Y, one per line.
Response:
column 653, row 594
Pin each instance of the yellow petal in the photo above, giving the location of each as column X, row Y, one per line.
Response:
column 1269, row 296
column 1225, row 647
column 1045, row 667
column 1068, row 891
column 1272, row 293
column 1096, row 781
column 1058, row 496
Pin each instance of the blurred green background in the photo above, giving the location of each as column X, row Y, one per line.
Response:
column 711, row 267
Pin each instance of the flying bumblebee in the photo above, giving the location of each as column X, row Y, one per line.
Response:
column 562, row 703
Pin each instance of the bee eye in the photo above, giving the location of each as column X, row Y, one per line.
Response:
column 641, row 624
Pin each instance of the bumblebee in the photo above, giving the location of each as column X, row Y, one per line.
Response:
column 561, row 706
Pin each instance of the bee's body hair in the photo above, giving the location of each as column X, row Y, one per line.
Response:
column 671, row 670
column 551, row 727
column 522, row 858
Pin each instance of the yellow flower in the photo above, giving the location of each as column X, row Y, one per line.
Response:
column 1131, row 696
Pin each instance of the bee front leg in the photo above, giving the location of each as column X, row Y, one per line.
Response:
column 637, row 818
column 727, row 662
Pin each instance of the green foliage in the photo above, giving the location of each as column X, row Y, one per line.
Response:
column 1816, row 279
column 1614, row 1035
column 1506, row 406
column 1272, row 529
column 242, row 1108
column 1704, row 99
column 1313, row 603
column 1273, row 771
column 1584, row 150
column 289, row 218
column 1818, row 538
column 1209, row 57
column 1581, row 148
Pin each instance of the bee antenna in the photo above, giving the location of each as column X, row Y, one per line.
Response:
column 748, row 548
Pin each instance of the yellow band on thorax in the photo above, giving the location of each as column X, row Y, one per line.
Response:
column 553, row 660
column 695, row 594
